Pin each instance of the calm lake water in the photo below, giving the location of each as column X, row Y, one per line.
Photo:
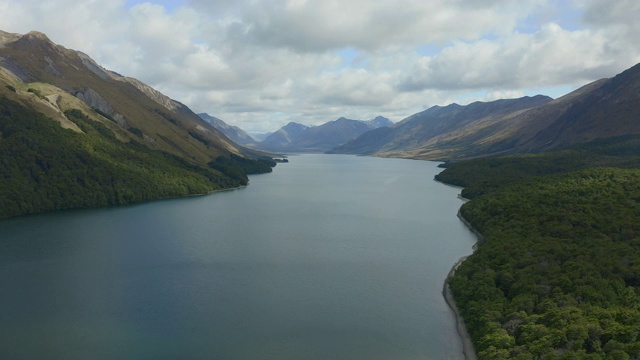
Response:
column 328, row 257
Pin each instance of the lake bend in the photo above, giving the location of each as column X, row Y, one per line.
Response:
column 328, row 257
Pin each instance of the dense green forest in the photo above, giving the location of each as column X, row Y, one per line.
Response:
column 557, row 273
column 44, row 167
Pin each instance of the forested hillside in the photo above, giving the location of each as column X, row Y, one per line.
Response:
column 557, row 273
column 44, row 167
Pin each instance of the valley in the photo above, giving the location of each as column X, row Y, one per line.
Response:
column 552, row 187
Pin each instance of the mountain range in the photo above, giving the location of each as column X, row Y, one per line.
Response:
column 601, row 109
column 604, row 108
column 295, row 137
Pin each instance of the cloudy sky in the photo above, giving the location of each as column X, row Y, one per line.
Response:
column 260, row 64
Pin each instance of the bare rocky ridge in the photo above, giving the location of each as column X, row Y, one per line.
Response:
column 96, row 102
column 152, row 93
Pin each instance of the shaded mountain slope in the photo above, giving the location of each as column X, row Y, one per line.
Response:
column 609, row 108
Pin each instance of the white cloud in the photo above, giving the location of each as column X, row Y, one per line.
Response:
column 550, row 57
column 318, row 26
column 260, row 64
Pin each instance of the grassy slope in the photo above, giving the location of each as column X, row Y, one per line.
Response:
column 557, row 275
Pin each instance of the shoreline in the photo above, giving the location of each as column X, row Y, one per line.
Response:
column 212, row 192
column 468, row 350
column 472, row 229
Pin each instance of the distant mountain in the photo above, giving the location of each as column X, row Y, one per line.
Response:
column 260, row 137
column 602, row 109
column 232, row 132
column 378, row 122
column 299, row 138
column 426, row 131
column 282, row 137
column 73, row 134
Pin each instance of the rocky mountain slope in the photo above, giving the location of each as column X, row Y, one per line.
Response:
column 232, row 132
column 604, row 108
column 299, row 138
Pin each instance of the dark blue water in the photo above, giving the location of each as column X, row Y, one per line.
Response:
column 329, row 257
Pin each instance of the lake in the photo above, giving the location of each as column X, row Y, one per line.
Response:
column 328, row 257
